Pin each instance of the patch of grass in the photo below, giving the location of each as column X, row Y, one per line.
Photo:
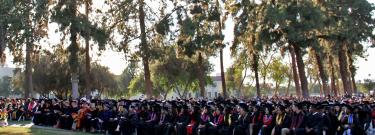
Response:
column 37, row 130
column 15, row 131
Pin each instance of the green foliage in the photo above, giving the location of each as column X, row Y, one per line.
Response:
column 170, row 73
column 52, row 74
column 279, row 71
column 65, row 14
column 368, row 85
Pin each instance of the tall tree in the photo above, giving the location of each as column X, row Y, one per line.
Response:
column 295, row 72
column 136, row 20
column 220, row 22
column 248, row 20
column 279, row 73
column 197, row 35
column 66, row 14
column 323, row 77
column 294, row 23
column 88, row 4
column 348, row 26
column 28, row 23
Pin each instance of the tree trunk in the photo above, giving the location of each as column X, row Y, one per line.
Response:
column 322, row 74
column 242, row 81
column 145, row 50
column 288, row 86
column 255, row 69
column 73, row 49
column 301, row 71
column 295, row 73
column 201, row 76
column 223, row 74
column 276, row 89
column 333, row 78
column 2, row 42
column 221, row 56
column 344, row 69
column 87, row 54
column 352, row 71
column 28, row 73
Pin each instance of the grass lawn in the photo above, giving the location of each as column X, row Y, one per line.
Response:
column 21, row 128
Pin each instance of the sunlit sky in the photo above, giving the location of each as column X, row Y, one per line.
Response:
column 116, row 61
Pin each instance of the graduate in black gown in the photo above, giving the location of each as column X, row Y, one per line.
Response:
column 65, row 118
column 315, row 121
column 195, row 117
column 38, row 117
column 217, row 125
column 298, row 121
column 205, row 120
column 183, row 120
column 268, row 120
column 48, row 114
column 241, row 126
column 129, row 124
column 282, row 120
column 164, row 126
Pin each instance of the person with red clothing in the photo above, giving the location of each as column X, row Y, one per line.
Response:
column 218, row 121
column 205, row 121
column 191, row 128
column 256, row 120
column 267, row 121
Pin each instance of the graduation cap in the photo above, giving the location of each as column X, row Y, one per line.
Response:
column 243, row 106
column 268, row 106
column 220, row 107
column 347, row 106
column 281, row 107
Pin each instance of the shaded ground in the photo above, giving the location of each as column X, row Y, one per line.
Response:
column 26, row 128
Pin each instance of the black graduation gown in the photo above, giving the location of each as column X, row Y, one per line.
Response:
column 129, row 123
column 38, row 116
column 316, row 122
column 257, row 119
column 66, row 119
column 284, row 124
column 333, row 124
column 182, row 121
column 48, row 116
column 298, row 122
column 220, row 128
column 164, row 126
column 242, row 125
column 205, row 120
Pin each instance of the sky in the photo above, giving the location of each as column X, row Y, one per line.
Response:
column 116, row 61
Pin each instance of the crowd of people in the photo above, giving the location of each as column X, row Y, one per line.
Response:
column 259, row 116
